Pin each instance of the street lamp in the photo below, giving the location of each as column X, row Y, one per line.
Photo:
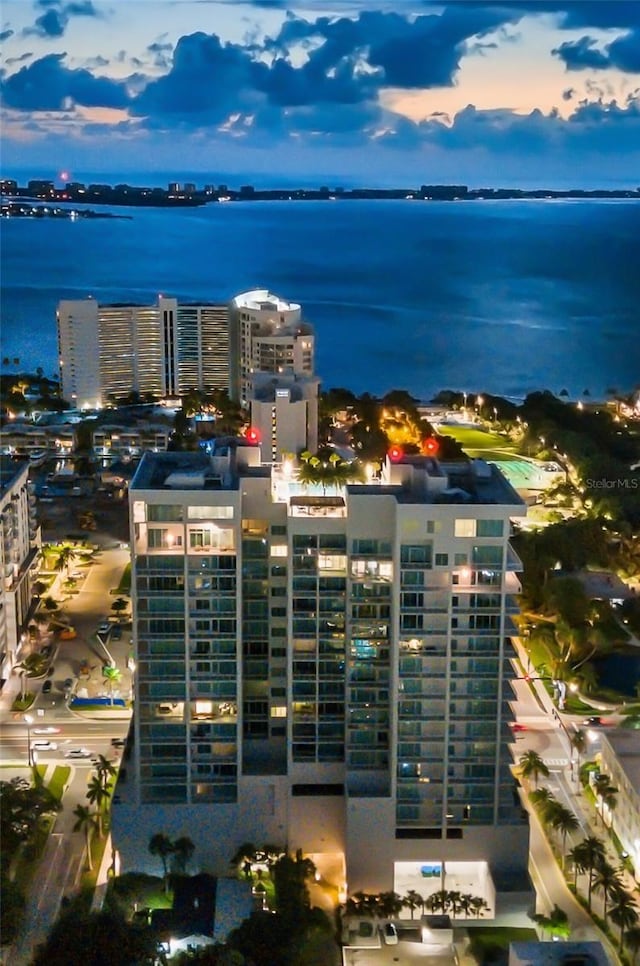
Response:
column 28, row 720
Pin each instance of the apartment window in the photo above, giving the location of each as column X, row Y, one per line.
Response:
column 278, row 550
column 460, row 559
column 210, row 512
column 489, row 528
column 416, row 554
column 442, row 559
column 487, row 556
column 465, row 528
column 434, row 526
column 163, row 513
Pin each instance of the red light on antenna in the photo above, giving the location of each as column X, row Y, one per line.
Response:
column 430, row 446
column 395, row 454
column 252, row 435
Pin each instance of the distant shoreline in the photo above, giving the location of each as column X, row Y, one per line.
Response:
column 190, row 196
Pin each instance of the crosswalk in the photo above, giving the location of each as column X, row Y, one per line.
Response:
column 556, row 762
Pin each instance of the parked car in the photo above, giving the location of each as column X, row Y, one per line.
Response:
column 44, row 745
column 68, row 684
column 390, row 934
column 78, row 753
column 118, row 742
column 47, row 650
column 116, row 633
column 46, row 687
column 516, row 726
column 103, row 628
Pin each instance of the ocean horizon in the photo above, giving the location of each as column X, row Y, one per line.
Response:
column 499, row 296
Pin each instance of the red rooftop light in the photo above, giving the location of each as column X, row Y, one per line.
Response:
column 430, row 446
column 252, row 435
column 395, row 454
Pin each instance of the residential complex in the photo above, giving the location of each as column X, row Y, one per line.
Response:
column 620, row 759
column 108, row 351
column 328, row 670
column 19, row 542
column 267, row 335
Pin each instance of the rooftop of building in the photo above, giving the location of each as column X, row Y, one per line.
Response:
column 417, row 479
column 626, row 747
column 10, row 472
column 261, row 299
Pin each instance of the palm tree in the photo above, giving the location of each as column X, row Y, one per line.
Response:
column 608, row 882
column 413, row 900
column 66, row 556
column 162, row 846
column 632, row 937
column 97, row 795
column 105, row 770
column 563, row 821
column 183, row 849
column 624, row 913
column 112, row 676
column 119, row 605
column 86, row 822
column 588, row 856
column 544, row 800
column 438, row 901
column 532, row 766
column 556, row 923
column 603, row 789
column 579, row 743
column 609, row 799
column 389, row 904
column 478, row 905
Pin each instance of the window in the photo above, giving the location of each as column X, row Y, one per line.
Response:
column 490, row 528
column 416, row 554
column 460, row 559
column 278, row 550
column 491, row 555
column 442, row 559
column 163, row 513
column 465, row 528
column 210, row 512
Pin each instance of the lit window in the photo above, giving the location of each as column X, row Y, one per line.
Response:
column 278, row 550
column 465, row 528
column 279, row 711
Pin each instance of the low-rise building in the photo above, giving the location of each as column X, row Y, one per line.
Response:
column 119, row 440
column 620, row 759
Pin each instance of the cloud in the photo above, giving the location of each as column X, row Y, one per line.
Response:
column 622, row 53
column 54, row 21
column 578, row 54
column 19, row 60
column 48, row 85
column 5, row 34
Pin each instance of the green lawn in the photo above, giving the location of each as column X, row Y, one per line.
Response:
column 124, row 587
column 59, row 780
column 478, row 440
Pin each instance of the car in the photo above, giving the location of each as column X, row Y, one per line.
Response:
column 68, row 684
column 51, row 671
column 118, row 742
column 517, row 726
column 390, row 934
column 103, row 628
column 78, row 753
column 116, row 633
column 47, row 650
column 46, row 687
column 592, row 720
column 50, row 730
column 44, row 745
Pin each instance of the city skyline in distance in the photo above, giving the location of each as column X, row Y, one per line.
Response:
column 526, row 92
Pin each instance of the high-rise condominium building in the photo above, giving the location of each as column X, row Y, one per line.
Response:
column 326, row 670
column 19, row 542
column 267, row 335
column 165, row 349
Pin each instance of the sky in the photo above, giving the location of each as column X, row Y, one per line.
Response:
column 518, row 92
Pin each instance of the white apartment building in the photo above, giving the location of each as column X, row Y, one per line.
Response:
column 109, row 351
column 620, row 759
column 284, row 413
column 326, row 671
column 19, row 544
column 267, row 335
column 117, row 440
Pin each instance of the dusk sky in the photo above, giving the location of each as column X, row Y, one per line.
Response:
column 523, row 92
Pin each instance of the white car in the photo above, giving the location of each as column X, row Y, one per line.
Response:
column 78, row 753
column 44, row 745
column 46, row 731
column 390, row 934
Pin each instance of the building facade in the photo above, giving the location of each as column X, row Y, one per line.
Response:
column 110, row 351
column 19, row 545
column 620, row 759
column 329, row 671
column 267, row 335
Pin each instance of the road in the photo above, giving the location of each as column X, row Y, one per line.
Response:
column 64, row 858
